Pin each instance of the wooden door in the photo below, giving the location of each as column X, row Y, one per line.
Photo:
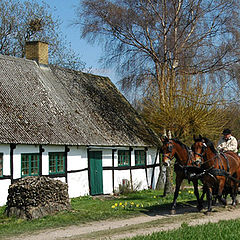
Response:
column 96, row 172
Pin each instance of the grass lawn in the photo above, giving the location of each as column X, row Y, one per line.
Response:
column 86, row 209
column 224, row 230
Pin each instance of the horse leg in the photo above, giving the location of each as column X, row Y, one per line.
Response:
column 214, row 197
column 234, row 198
column 234, row 194
column 203, row 193
column 209, row 200
column 179, row 180
column 219, row 195
column 196, row 192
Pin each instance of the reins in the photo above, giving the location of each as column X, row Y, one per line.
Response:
column 217, row 171
column 172, row 155
column 206, row 161
column 190, row 171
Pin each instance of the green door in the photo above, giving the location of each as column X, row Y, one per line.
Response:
column 96, row 178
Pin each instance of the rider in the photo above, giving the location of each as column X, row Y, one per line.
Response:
column 227, row 142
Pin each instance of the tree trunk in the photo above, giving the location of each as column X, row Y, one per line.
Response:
column 161, row 178
column 168, row 183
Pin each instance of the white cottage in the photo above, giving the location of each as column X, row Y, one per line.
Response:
column 71, row 126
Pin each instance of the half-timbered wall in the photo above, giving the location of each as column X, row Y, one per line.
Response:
column 77, row 167
column 78, row 172
column 5, row 180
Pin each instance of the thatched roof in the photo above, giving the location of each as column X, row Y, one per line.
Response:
column 51, row 105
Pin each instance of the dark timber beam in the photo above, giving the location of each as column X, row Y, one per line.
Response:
column 12, row 147
column 67, row 149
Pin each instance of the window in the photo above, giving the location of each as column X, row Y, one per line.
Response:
column 140, row 157
column 123, row 157
column 1, row 164
column 56, row 163
column 30, row 164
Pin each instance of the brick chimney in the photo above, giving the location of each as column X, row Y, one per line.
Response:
column 38, row 51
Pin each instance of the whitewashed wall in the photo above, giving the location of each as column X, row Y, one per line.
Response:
column 151, row 160
column 45, row 159
column 140, row 179
column 5, row 149
column 4, row 191
column 77, row 181
column 77, row 158
column 107, row 174
column 4, row 183
column 77, row 166
column 78, row 184
column 119, row 175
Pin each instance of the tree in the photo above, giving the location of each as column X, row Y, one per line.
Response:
column 154, row 42
column 29, row 20
column 195, row 110
column 159, row 46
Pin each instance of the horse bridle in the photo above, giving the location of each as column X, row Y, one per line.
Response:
column 169, row 148
column 203, row 149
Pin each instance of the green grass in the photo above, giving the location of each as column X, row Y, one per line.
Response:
column 86, row 209
column 223, row 230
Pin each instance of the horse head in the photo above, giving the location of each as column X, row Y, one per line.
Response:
column 168, row 150
column 199, row 148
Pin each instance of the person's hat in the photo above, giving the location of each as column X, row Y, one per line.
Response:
column 226, row 131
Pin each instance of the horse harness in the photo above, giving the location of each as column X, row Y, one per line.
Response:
column 195, row 170
column 189, row 170
column 213, row 171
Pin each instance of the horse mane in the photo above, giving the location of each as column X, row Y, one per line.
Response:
column 180, row 143
column 208, row 142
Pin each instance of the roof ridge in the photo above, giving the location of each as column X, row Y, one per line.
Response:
column 14, row 58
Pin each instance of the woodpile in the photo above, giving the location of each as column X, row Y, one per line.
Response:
column 35, row 197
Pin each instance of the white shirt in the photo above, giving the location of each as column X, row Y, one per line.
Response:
column 228, row 145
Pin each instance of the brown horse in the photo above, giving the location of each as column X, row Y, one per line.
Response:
column 184, row 167
column 221, row 170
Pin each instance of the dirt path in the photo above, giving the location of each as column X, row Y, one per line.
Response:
column 145, row 224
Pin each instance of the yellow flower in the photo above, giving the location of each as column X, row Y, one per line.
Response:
column 116, row 204
column 125, row 203
column 180, row 192
column 154, row 197
column 113, row 206
column 189, row 191
column 142, row 205
column 192, row 192
column 137, row 205
column 120, row 204
column 132, row 203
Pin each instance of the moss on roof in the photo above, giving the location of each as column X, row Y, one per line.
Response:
column 52, row 105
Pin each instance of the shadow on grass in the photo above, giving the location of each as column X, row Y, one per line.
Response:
column 165, row 209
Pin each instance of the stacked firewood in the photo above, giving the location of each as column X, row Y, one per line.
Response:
column 35, row 197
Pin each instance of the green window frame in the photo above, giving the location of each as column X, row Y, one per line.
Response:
column 140, row 157
column 1, row 164
column 123, row 158
column 57, row 162
column 29, row 164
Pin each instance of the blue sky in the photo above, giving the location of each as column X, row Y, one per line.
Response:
column 88, row 53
